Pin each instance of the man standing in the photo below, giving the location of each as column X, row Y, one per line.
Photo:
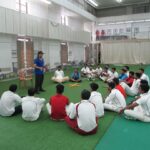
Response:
column 39, row 72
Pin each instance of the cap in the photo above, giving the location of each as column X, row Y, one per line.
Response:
column 40, row 52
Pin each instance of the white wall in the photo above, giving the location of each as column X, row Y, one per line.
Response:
column 76, row 52
column 8, row 4
column 6, row 47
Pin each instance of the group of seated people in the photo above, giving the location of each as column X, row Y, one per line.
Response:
column 83, row 116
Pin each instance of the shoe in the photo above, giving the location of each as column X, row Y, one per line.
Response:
column 42, row 90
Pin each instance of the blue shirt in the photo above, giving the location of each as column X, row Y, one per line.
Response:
column 75, row 76
column 123, row 77
column 39, row 63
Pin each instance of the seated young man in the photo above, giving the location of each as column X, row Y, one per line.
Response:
column 32, row 106
column 144, row 76
column 134, row 89
column 96, row 99
column 119, row 87
column 91, row 74
column 59, row 76
column 57, row 106
column 105, row 74
column 115, row 100
column 127, row 70
column 98, row 71
column 123, row 76
column 84, row 71
column 10, row 102
column 130, row 79
column 75, row 76
column 113, row 75
column 140, row 108
column 82, row 118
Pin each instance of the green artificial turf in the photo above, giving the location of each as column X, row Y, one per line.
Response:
column 45, row 134
column 126, row 134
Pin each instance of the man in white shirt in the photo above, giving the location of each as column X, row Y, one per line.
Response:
column 85, row 70
column 144, row 76
column 127, row 70
column 105, row 74
column 115, row 100
column 96, row 99
column 83, row 119
column 91, row 73
column 134, row 89
column 139, row 109
column 59, row 76
column 10, row 103
column 98, row 71
column 113, row 75
column 32, row 106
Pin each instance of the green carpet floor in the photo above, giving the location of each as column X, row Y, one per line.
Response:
column 45, row 134
column 126, row 134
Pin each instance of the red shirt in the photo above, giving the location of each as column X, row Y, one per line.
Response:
column 121, row 89
column 58, row 106
column 129, row 80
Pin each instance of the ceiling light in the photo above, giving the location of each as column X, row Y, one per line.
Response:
column 92, row 2
column 101, row 24
column 46, row 1
column 139, row 21
column 147, row 20
column 119, row 1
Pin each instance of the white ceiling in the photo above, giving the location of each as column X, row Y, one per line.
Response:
column 114, row 3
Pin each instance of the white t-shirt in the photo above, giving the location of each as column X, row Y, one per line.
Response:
column 98, row 70
column 97, row 100
column 59, row 74
column 31, row 107
column 144, row 102
column 145, row 77
column 85, row 70
column 116, row 98
column 113, row 75
column 135, row 86
column 8, row 102
column 86, row 115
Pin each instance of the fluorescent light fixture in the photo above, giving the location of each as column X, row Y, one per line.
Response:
column 101, row 24
column 129, row 21
column 139, row 21
column 119, row 1
column 147, row 20
column 23, row 40
column 47, row 1
column 119, row 22
column 111, row 23
column 92, row 2
column 63, row 43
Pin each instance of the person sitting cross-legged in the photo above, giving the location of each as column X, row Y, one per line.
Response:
column 58, row 105
column 115, row 101
column 10, row 102
column 75, row 76
column 59, row 76
column 32, row 106
column 96, row 99
column 134, row 89
column 140, row 108
column 82, row 118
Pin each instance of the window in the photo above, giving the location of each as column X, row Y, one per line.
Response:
column 22, row 6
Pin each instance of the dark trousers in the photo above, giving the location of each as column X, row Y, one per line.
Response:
column 38, row 82
column 18, row 110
